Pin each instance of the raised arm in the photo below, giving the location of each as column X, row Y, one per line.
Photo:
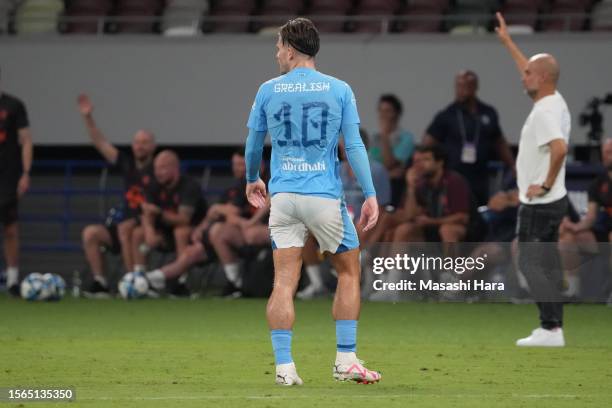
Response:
column 106, row 149
column 502, row 32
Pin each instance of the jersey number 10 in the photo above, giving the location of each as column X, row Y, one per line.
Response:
column 284, row 114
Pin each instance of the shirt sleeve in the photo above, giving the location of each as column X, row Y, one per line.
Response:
column 436, row 128
column 358, row 158
column 257, row 118
column 593, row 192
column 382, row 184
column 458, row 195
column 21, row 116
column 190, row 195
column 547, row 128
column 252, row 154
column 350, row 116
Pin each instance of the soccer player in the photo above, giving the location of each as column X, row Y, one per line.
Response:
column 304, row 112
column 15, row 165
column 540, row 169
column 137, row 172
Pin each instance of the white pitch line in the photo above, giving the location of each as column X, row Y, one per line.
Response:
column 359, row 396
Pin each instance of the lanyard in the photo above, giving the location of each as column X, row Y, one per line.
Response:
column 464, row 132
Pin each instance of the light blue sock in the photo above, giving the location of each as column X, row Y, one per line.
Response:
column 346, row 335
column 281, row 344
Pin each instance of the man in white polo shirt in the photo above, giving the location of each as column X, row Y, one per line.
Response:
column 541, row 181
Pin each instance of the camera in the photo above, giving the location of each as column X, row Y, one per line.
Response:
column 591, row 116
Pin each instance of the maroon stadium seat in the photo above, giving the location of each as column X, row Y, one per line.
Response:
column 521, row 12
column 83, row 9
column 137, row 9
column 427, row 14
column 274, row 13
column 557, row 20
column 375, row 8
column 229, row 9
column 329, row 8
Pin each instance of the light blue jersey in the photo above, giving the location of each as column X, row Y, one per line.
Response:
column 304, row 112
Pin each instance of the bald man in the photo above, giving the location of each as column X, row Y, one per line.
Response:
column 137, row 172
column 541, row 181
column 174, row 204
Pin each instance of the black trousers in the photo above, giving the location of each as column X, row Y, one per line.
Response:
column 539, row 258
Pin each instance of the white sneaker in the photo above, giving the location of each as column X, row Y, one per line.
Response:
column 352, row 369
column 286, row 374
column 543, row 338
column 310, row 292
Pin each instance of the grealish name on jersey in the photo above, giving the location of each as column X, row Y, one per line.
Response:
column 302, row 87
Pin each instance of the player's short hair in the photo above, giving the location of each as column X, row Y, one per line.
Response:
column 302, row 35
column 392, row 100
column 438, row 153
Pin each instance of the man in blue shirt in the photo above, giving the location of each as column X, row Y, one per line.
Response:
column 304, row 111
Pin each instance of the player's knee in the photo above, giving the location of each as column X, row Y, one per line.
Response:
column 11, row 232
column 404, row 231
column 124, row 232
column 90, row 234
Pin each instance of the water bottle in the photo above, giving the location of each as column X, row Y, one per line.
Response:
column 76, row 284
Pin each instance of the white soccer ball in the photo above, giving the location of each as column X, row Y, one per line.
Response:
column 34, row 287
column 56, row 286
column 133, row 285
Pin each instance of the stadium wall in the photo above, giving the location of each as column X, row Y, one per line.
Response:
column 194, row 91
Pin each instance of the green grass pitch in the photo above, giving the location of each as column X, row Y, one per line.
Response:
column 214, row 352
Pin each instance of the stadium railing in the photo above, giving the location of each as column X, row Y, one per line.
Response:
column 67, row 191
column 107, row 24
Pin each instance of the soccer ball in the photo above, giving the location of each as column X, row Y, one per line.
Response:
column 133, row 285
column 56, row 286
column 35, row 287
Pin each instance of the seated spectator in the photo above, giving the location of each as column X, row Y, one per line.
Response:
column 137, row 171
column 174, row 204
column 226, row 238
column 596, row 226
column 233, row 207
column 354, row 200
column 392, row 146
column 469, row 131
column 439, row 205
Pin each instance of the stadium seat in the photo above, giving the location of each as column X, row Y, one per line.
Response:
column 565, row 15
column 468, row 14
column 38, row 16
column 6, row 8
column 131, row 16
column 275, row 13
column 521, row 13
column 181, row 17
column 601, row 16
column 84, row 16
column 468, row 29
column 231, row 9
column 375, row 8
column 421, row 16
column 328, row 9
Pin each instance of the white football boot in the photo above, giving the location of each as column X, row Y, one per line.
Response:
column 349, row 368
column 286, row 374
column 543, row 338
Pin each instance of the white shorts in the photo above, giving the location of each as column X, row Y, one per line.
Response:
column 292, row 216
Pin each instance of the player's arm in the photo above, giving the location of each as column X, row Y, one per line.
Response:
column 255, row 188
column 106, row 149
column 558, row 151
column 358, row 160
column 587, row 222
column 25, row 140
column 502, row 32
column 180, row 218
